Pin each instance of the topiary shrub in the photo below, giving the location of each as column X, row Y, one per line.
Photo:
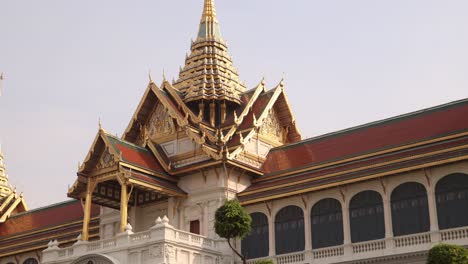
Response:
column 264, row 261
column 232, row 221
column 447, row 254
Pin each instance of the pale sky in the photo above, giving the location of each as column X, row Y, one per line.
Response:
column 348, row 62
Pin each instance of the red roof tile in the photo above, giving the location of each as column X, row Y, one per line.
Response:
column 418, row 126
column 54, row 215
column 145, row 160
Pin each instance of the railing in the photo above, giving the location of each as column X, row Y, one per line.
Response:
column 102, row 244
column 142, row 236
column 162, row 237
column 328, row 252
column 412, row 240
column 65, row 252
column 193, row 239
column 342, row 253
column 290, row 258
column 454, row 234
column 369, row 246
column 376, row 248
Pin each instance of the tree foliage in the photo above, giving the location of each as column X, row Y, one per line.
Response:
column 264, row 261
column 232, row 221
column 447, row 254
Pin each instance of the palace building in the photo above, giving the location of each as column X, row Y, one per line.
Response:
column 383, row 192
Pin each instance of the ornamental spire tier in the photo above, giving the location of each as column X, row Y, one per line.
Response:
column 209, row 82
column 5, row 188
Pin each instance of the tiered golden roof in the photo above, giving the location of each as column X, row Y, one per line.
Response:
column 10, row 201
column 208, row 73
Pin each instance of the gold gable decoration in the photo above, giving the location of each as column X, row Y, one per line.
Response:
column 107, row 160
column 271, row 127
column 161, row 124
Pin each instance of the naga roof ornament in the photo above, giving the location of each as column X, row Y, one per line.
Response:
column 208, row 73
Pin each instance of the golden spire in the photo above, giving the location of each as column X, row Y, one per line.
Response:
column 209, row 73
column 209, row 25
column 209, row 11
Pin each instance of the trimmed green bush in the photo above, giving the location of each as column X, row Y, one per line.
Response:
column 264, row 261
column 447, row 254
column 232, row 221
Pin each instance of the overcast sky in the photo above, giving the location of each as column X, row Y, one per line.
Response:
column 69, row 63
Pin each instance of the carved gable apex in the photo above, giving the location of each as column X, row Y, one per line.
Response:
column 271, row 128
column 107, row 160
column 160, row 124
column 101, row 156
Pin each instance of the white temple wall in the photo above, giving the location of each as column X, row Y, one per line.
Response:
column 207, row 191
column 109, row 222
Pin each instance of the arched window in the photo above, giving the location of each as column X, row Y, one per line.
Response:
column 289, row 230
column 30, row 261
column 410, row 212
column 366, row 217
column 255, row 245
column 327, row 223
column 452, row 201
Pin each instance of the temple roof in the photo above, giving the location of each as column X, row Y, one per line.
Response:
column 111, row 159
column 389, row 133
column 417, row 140
column 10, row 201
column 208, row 73
column 225, row 143
column 32, row 230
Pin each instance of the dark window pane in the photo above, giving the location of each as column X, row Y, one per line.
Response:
column 255, row 245
column 30, row 261
column 368, row 224
column 328, row 232
column 413, row 216
column 291, row 239
column 451, row 203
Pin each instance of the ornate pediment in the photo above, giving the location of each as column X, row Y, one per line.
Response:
column 271, row 128
column 161, row 124
column 107, row 160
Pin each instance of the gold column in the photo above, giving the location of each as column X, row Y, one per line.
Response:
column 123, row 206
column 212, row 114
column 201, row 108
column 223, row 112
column 87, row 209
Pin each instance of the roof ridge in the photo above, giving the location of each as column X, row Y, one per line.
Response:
column 124, row 141
column 42, row 208
column 373, row 123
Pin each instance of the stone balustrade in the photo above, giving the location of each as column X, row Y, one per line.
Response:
column 157, row 245
column 415, row 243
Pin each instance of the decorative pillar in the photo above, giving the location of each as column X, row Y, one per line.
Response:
column 123, row 206
column 388, row 222
column 346, row 230
column 432, row 204
column 388, row 218
column 212, row 114
column 201, row 109
column 307, row 230
column 206, row 219
column 87, row 209
column 271, row 233
column 433, row 218
column 223, row 112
